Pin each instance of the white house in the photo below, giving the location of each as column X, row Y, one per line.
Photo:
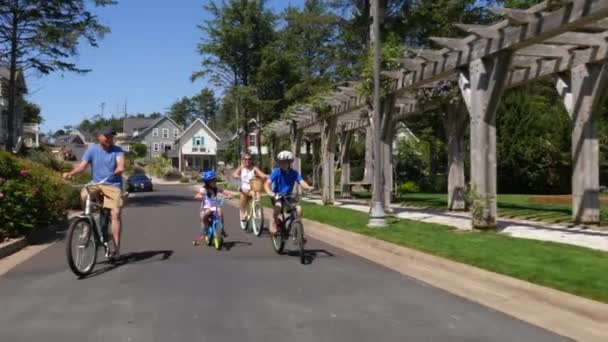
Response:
column 197, row 148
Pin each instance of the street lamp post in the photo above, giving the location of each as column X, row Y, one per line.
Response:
column 378, row 216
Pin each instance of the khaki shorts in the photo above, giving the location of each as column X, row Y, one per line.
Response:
column 112, row 196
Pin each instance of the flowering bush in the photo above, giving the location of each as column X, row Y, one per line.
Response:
column 31, row 196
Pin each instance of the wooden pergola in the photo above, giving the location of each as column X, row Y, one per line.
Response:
column 564, row 39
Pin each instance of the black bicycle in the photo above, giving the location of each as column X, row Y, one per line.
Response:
column 88, row 232
column 289, row 225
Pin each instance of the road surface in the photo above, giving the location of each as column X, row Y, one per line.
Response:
column 169, row 290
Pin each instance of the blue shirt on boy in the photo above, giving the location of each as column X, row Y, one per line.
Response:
column 283, row 181
column 103, row 163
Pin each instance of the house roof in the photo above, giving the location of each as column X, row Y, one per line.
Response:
column 159, row 120
column 198, row 120
column 66, row 139
column 132, row 124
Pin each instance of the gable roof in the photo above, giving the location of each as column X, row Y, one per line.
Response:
column 130, row 125
column 159, row 120
column 204, row 126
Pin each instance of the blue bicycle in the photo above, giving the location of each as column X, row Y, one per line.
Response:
column 215, row 228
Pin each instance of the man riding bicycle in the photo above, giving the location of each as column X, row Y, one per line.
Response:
column 281, row 182
column 107, row 163
column 246, row 172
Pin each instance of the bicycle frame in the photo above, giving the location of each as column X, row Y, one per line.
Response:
column 289, row 203
column 102, row 223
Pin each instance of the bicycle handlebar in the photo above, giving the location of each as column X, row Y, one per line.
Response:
column 89, row 184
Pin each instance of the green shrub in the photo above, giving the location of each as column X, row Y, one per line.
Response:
column 138, row 170
column 139, row 149
column 31, row 195
column 184, row 179
column 407, row 188
column 171, row 174
column 46, row 158
column 195, row 175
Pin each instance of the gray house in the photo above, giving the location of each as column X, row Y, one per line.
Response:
column 157, row 134
column 18, row 124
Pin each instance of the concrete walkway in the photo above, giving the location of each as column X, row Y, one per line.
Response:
column 578, row 236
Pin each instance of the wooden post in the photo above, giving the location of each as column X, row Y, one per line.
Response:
column 328, row 155
column 455, row 124
column 346, row 140
column 295, row 139
column 316, row 177
column 482, row 86
column 582, row 89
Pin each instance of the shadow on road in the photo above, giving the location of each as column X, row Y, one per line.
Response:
column 130, row 258
column 310, row 254
column 228, row 245
column 157, row 200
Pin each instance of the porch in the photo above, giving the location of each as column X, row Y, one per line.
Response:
column 198, row 163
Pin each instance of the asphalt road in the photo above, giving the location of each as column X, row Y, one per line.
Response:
column 169, row 290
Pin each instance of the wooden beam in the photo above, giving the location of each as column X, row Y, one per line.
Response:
column 578, row 38
column 516, row 16
column 455, row 44
column 484, row 31
column 431, row 55
column 410, row 64
column 544, row 50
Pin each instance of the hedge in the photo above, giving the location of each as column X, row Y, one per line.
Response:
column 31, row 196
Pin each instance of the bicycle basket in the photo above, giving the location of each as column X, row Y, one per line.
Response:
column 256, row 185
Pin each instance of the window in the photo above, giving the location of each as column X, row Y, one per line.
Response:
column 165, row 133
column 156, row 147
column 155, row 132
column 167, row 147
column 175, row 133
column 198, row 144
column 252, row 140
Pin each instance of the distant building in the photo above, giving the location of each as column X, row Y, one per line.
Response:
column 157, row 134
column 197, row 148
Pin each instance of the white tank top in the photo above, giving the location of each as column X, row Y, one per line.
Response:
column 246, row 176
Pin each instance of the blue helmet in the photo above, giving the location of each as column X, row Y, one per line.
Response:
column 208, row 176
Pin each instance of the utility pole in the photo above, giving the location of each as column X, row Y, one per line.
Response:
column 103, row 106
column 377, row 217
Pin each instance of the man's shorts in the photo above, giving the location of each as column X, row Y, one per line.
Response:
column 112, row 195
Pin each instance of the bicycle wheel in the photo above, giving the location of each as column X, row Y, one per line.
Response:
column 278, row 241
column 298, row 230
column 218, row 240
column 209, row 236
column 257, row 223
column 81, row 247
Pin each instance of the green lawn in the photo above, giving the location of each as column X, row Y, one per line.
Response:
column 509, row 206
column 577, row 270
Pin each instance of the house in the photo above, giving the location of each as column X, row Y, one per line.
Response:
column 18, row 124
column 71, row 146
column 403, row 133
column 31, row 135
column 197, row 148
column 253, row 136
column 158, row 135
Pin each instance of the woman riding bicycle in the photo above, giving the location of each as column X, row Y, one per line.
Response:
column 246, row 172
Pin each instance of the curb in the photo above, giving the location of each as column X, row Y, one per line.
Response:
column 15, row 245
column 560, row 312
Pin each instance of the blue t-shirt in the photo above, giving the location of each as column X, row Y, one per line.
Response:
column 103, row 163
column 284, row 181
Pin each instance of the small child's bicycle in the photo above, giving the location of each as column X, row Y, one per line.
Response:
column 215, row 228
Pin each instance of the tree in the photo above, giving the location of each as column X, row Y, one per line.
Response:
column 140, row 149
column 43, row 35
column 206, row 105
column 31, row 112
column 183, row 111
column 235, row 38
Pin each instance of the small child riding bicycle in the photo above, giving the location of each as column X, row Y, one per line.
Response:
column 209, row 201
column 281, row 182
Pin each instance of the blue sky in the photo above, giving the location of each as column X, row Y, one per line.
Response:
column 146, row 60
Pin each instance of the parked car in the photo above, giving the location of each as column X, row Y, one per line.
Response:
column 139, row 183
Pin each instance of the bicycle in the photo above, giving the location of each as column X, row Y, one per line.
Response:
column 289, row 225
column 91, row 228
column 215, row 228
column 255, row 213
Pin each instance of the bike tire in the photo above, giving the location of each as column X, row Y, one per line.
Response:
column 257, row 222
column 218, row 240
column 298, row 229
column 278, row 241
column 89, row 238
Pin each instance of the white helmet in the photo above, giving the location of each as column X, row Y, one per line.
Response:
column 285, row 155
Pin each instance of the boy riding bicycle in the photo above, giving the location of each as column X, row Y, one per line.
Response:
column 208, row 196
column 281, row 183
